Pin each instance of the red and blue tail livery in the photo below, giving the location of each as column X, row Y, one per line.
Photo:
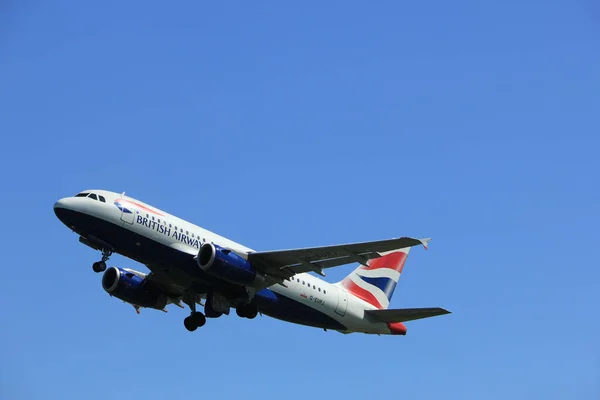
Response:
column 212, row 274
column 375, row 283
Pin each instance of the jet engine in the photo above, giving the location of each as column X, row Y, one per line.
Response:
column 133, row 287
column 227, row 265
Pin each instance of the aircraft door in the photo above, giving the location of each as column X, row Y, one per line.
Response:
column 342, row 303
column 127, row 212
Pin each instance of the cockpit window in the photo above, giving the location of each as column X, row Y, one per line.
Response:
column 91, row 196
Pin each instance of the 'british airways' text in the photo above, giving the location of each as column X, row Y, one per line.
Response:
column 180, row 236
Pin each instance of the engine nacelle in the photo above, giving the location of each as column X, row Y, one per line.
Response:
column 133, row 287
column 227, row 265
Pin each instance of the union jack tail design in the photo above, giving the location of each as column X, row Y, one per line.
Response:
column 376, row 282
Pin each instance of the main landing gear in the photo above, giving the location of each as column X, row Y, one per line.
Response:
column 100, row 266
column 196, row 318
column 194, row 321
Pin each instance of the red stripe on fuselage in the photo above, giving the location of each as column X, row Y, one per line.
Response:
column 138, row 205
column 393, row 261
column 361, row 293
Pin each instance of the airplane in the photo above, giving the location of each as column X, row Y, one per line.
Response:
column 189, row 264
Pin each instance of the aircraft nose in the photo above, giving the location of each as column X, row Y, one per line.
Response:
column 64, row 211
column 64, row 204
column 59, row 208
column 60, row 204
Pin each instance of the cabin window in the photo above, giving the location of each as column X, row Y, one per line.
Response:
column 102, row 199
column 303, row 282
column 170, row 226
column 319, row 289
column 324, row 292
column 187, row 233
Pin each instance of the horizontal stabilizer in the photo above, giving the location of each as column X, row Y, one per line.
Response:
column 405, row 314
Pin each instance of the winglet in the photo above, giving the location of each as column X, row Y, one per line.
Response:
column 415, row 242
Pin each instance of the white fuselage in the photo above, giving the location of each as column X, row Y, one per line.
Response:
column 148, row 222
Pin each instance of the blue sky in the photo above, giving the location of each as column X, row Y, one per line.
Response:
column 281, row 125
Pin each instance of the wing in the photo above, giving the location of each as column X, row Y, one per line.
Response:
column 283, row 264
column 166, row 282
column 405, row 314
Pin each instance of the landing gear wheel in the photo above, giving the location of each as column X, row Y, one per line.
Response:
column 199, row 319
column 189, row 324
column 99, row 266
column 194, row 321
column 240, row 312
column 247, row 311
column 252, row 312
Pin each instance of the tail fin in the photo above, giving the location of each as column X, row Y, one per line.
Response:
column 376, row 282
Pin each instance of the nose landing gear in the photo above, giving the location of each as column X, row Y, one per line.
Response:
column 100, row 266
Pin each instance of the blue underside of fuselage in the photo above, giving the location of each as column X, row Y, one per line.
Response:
column 281, row 307
column 151, row 253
